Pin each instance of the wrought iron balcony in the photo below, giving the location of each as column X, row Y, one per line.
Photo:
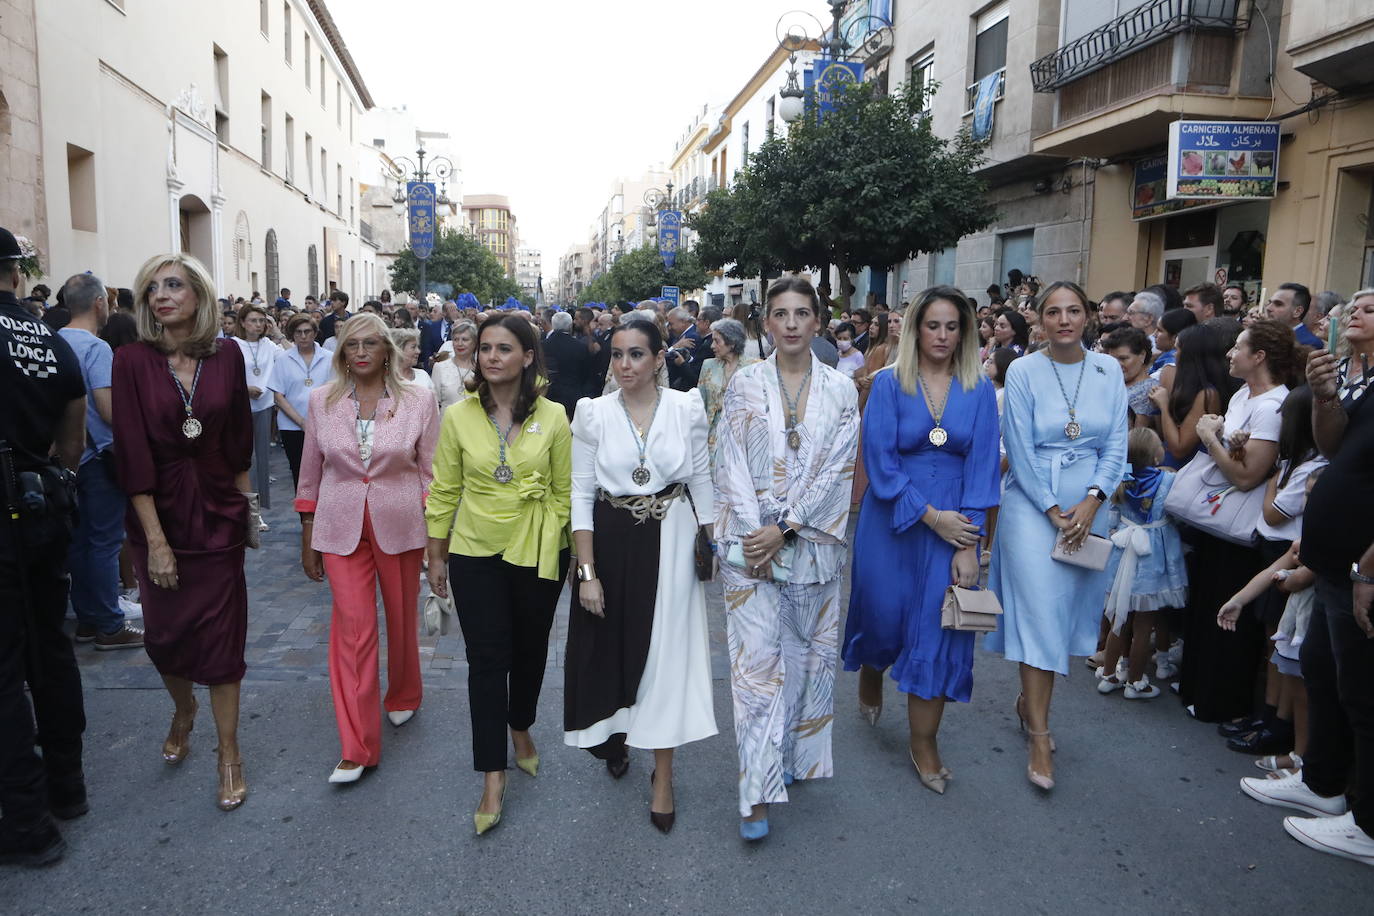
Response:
column 1143, row 26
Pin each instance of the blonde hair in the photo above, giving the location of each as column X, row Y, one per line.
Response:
column 1343, row 314
column 403, row 336
column 201, row 341
column 1144, row 449
column 968, row 368
column 362, row 323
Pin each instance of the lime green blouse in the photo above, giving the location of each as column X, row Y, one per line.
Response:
column 526, row 520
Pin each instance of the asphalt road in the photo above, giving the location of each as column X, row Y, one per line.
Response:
column 1147, row 816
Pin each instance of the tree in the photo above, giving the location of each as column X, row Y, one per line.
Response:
column 459, row 261
column 639, row 274
column 868, row 185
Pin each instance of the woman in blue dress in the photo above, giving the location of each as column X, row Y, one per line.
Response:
column 1064, row 424
column 930, row 445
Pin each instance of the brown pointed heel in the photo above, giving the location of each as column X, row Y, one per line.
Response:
column 178, row 743
column 232, row 788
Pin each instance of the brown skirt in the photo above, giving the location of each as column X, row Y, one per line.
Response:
column 606, row 655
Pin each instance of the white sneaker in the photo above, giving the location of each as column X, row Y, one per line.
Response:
column 1141, row 689
column 1164, row 668
column 1340, row 836
column 130, row 593
column 130, row 610
column 1291, row 792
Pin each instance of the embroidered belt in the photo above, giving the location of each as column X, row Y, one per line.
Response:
column 645, row 507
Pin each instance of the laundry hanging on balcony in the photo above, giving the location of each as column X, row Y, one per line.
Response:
column 983, row 105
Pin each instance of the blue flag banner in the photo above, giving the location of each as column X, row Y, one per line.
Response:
column 825, row 82
column 420, row 198
column 669, row 235
column 983, row 105
column 670, row 293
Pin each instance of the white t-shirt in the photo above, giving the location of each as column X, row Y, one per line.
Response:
column 1290, row 501
column 422, row 380
column 1258, row 414
column 259, row 357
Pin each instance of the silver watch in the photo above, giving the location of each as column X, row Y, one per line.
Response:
column 1357, row 576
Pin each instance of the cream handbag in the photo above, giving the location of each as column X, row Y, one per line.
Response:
column 970, row 609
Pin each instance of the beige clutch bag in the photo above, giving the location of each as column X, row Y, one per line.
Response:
column 1094, row 553
column 974, row 610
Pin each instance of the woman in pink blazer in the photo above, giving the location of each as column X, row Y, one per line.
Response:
column 365, row 470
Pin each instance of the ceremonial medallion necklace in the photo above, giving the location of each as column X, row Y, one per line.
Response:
column 641, row 475
column 503, row 473
column 793, row 436
column 253, row 346
column 309, row 364
column 190, row 427
column 937, row 435
column 1072, row 429
column 366, row 428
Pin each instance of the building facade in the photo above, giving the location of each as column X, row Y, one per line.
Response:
column 529, row 271
column 574, row 273
column 234, row 142
column 489, row 220
column 22, row 207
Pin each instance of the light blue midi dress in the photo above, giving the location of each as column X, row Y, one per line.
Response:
column 1051, row 609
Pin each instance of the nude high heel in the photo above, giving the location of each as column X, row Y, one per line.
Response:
column 1020, row 716
column 1039, row 780
column 232, row 788
column 178, row 743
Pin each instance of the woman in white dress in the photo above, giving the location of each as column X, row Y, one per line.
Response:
column 259, row 355
column 454, row 364
column 638, row 669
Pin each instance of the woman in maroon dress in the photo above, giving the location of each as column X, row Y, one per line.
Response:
column 185, row 440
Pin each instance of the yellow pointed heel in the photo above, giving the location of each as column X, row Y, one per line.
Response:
column 484, row 822
column 528, row 764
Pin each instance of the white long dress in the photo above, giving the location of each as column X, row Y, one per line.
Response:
column 673, row 704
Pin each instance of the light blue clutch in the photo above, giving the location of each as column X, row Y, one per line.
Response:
column 782, row 561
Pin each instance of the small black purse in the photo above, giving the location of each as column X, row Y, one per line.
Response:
column 704, row 553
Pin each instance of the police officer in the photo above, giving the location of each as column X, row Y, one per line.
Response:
column 43, row 411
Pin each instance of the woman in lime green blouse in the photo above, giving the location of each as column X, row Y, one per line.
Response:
column 498, row 517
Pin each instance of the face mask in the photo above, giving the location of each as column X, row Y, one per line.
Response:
column 844, row 345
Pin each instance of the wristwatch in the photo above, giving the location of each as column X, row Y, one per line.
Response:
column 1357, row 576
column 789, row 534
column 586, row 572
column 1097, row 493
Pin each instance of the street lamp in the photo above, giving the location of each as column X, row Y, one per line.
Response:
column 798, row 29
column 403, row 169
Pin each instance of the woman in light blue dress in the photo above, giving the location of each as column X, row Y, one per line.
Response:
column 930, row 447
column 1064, row 424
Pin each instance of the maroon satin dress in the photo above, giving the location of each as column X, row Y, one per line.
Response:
column 197, row 632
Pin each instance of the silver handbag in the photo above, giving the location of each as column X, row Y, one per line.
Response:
column 1093, row 554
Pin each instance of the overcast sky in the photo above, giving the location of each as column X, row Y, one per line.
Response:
column 551, row 100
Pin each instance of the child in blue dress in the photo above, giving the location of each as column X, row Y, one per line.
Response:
column 1146, row 567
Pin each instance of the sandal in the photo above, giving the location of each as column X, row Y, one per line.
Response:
column 1271, row 763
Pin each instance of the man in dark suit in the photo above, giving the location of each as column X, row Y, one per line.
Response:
column 682, row 368
column 434, row 334
column 861, row 319
column 568, row 362
column 601, row 326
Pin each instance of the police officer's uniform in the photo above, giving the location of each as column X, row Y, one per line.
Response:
column 39, row 378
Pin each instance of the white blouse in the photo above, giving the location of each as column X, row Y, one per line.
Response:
column 259, row 356
column 606, row 454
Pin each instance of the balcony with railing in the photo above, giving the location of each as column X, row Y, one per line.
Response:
column 1117, row 87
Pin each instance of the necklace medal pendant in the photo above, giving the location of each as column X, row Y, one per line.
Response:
column 191, row 428
column 257, row 371
column 1072, row 429
column 309, row 381
column 938, row 437
column 793, row 439
column 640, row 476
column 503, row 473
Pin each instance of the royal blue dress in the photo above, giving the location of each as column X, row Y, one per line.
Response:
column 900, row 567
column 1051, row 609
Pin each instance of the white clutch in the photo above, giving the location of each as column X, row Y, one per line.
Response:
column 1093, row 554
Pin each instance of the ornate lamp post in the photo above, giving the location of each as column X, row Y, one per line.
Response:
column 403, row 170
column 798, row 29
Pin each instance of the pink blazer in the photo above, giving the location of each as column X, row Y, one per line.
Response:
column 335, row 485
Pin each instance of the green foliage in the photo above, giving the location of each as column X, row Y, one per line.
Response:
column 459, row 261
column 639, row 274
column 870, row 185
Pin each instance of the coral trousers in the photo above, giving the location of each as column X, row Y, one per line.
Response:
column 353, row 676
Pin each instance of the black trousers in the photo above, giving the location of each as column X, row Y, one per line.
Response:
column 505, row 612
column 293, row 443
column 35, row 650
column 1338, row 668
